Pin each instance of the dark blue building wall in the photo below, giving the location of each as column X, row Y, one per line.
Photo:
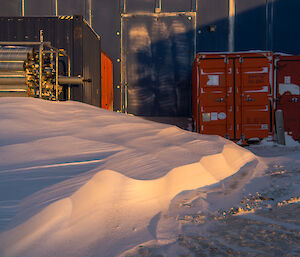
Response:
column 250, row 25
column 286, row 22
column 212, row 25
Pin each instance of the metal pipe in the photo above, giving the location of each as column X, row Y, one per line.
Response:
column 13, row 56
column 12, row 73
column 13, row 89
column 40, row 63
column 69, row 75
column 9, row 43
column 12, row 80
column 15, row 49
column 56, row 76
column 12, row 66
column 63, row 80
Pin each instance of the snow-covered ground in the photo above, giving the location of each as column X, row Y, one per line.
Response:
column 76, row 180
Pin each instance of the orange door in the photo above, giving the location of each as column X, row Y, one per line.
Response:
column 254, row 97
column 106, row 82
column 288, row 93
column 214, row 100
column 233, row 95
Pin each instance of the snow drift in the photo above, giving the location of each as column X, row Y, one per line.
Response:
column 138, row 167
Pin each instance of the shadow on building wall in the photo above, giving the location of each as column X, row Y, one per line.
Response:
column 157, row 74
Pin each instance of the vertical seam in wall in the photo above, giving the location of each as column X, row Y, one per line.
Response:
column 56, row 8
column 267, row 25
column 90, row 13
column 122, row 79
column 23, row 8
column 231, row 16
column 124, row 6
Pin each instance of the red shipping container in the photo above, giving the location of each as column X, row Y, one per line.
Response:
column 233, row 94
column 106, row 82
column 288, row 92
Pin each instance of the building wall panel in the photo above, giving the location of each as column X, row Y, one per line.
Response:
column 132, row 6
column 178, row 5
column 72, row 7
column 212, row 25
column 286, row 26
column 250, row 25
column 39, row 8
column 10, row 8
column 158, row 53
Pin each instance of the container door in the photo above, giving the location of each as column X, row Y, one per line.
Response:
column 288, row 95
column 253, row 97
column 215, row 101
column 157, row 55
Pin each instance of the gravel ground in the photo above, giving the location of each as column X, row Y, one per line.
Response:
column 264, row 223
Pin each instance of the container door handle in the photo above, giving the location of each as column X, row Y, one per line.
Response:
column 294, row 100
column 248, row 99
column 220, row 100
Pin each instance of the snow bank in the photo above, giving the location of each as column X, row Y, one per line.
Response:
column 289, row 142
column 113, row 205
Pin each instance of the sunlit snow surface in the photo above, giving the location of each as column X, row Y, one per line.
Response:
column 76, row 180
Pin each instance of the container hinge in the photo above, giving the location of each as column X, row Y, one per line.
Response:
column 241, row 59
column 226, row 60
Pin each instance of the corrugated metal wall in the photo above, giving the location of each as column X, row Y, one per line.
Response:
column 286, row 20
column 250, row 25
column 255, row 24
column 212, row 25
column 69, row 33
column 157, row 51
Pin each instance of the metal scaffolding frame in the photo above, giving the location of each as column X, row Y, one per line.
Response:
column 46, row 48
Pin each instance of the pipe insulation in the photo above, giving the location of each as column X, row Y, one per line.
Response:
column 70, row 80
column 12, row 73
column 12, row 58
column 13, row 88
column 12, row 66
column 13, row 55
column 12, row 80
